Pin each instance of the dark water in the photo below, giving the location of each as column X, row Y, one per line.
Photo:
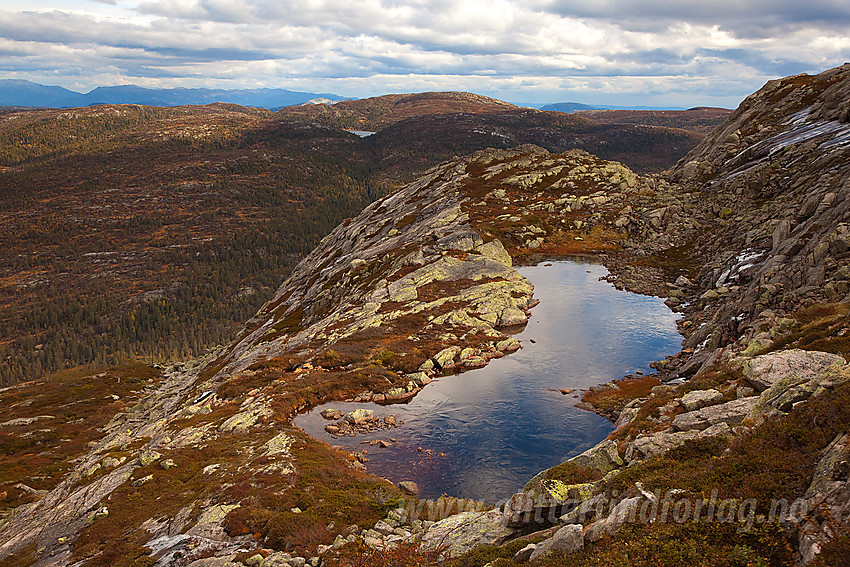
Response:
column 490, row 430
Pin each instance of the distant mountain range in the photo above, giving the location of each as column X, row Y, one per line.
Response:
column 17, row 92
column 570, row 107
column 14, row 92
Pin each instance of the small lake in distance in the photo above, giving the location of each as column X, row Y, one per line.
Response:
column 490, row 430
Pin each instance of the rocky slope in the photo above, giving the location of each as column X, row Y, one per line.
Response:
column 746, row 238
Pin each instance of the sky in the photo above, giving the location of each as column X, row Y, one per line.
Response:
column 620, row 52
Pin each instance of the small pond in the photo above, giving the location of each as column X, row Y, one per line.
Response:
column 484, row 433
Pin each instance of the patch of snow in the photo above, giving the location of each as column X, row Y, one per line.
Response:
column 835, row 134
column 745, row 260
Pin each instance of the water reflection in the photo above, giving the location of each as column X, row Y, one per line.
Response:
column 490, row 430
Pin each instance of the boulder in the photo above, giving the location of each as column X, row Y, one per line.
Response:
column 731, row 413
column 332, row 414
column 475, row 362
column 445, row 358
column 568, row 539
column 508, row 345
column 660, row 443
column 462, row 532
column 799, row 365
column 545, row 501
column 604, row 457
column 700, row 399
column 419, row 378
column 359, row 416
column 467, row 354
column 409, row 487
column 790, row 390
column 625, row 511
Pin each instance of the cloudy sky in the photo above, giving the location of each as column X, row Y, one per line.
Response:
column 649, row 52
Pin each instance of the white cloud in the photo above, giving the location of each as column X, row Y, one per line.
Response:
column 671, row 52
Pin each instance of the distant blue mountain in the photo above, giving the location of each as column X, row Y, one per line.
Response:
column 15, row 92
column 578, row 106
column 25, row 93
column 569, row 107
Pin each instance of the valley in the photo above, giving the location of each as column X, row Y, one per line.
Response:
column 134, row 231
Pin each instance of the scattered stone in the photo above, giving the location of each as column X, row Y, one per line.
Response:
column 148, row 457
column 332, row 414
column 24, row 421
column 143, row 480
column 383, row 528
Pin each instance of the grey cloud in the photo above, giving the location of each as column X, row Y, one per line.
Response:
column 655, row 46
column 750, row 18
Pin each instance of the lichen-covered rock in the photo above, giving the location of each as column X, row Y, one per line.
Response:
column 604, row 457
column 795, row 365
column 148, row 457
column 825, row 372
column 359, row 416
column 731, row 413
column 700, row 399
column 460, row 533
column 511, row 316
column 510, row 344
column 445, row 358
column 243, row 420
column 659, row 443
column 210, row 520
column 280, row 443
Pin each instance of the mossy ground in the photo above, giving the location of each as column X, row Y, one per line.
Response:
column 822, row 326
column 81, row 402
column 773, row 461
